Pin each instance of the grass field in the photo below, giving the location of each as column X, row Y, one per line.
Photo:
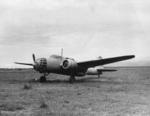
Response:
column 122, row 93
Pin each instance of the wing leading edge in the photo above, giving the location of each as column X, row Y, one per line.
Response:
column 24, row 63
column 105, row 61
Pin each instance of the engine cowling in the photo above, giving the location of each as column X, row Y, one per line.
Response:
column 41, row 65
column 69, row 64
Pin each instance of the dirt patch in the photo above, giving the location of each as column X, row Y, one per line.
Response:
column 11, row 107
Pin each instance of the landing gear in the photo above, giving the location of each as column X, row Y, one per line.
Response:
column 43, row 78
column 72, row 79
column 98, row 75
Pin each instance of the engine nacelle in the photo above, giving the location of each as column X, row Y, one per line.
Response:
column 69, row 64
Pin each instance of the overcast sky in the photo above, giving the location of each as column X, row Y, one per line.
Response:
column 85, row 29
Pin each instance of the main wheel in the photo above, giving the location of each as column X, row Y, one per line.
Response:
column 98, row 75
column 42, row 79
column 72, row 79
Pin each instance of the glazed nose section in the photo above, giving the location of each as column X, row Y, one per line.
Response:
column 41, row 65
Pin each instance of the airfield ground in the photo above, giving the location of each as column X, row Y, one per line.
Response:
column 122, row 93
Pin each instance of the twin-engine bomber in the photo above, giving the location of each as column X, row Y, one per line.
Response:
column 68, row 66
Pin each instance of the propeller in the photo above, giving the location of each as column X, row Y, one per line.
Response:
column 33, row 56
column 29, row 64
column 38, row 65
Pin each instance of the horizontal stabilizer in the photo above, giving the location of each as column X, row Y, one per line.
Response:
column 106, row 70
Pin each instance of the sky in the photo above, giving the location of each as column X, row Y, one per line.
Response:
column 85, row 29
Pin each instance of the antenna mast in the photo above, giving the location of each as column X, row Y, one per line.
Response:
column 61, row 52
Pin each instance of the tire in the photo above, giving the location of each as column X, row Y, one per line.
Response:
column 42, row 79
column 72, row 79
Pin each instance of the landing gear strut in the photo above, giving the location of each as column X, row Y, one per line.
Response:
column 72, row 79
column 98, row 75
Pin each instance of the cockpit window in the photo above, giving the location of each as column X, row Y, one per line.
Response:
column 59, row 57
column 56, row 56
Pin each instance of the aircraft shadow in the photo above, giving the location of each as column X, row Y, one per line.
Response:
column 81, row 80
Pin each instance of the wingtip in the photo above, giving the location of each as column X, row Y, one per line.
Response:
column 129, row 56
column 132, row 56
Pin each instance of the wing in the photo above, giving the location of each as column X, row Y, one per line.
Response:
column 93, row 63
column 24, row 63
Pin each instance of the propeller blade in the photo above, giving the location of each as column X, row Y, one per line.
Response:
column 24, row 63
column 33, row 56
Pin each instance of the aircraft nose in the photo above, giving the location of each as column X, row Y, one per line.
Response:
column 40, row 65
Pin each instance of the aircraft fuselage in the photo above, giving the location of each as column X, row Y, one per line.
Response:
column 56, row 64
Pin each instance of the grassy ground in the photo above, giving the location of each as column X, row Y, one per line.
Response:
column 122, row 93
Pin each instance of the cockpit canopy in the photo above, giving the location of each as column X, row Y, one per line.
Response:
column 60, row 57
column 56, row 56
